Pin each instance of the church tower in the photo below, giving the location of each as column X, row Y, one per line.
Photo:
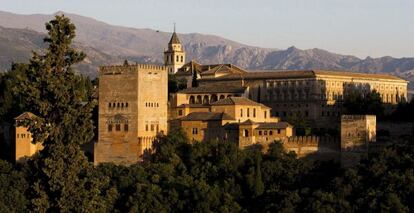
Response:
column 174, row 56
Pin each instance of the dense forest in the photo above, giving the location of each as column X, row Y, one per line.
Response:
column 178, row 176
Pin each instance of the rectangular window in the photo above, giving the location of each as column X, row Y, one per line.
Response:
column 180, row 112
column 278, row 131
column 254, row 112
column 146, row 127
column 118, row 127
column 241, row 112
column 248, row 112
column 158, row 128
column 126, row 127
column 270, row 132
column 110, row 128
column 260, row 132
column 152, row 127
column 265, row 114
column 195, row 131
column 17, row 135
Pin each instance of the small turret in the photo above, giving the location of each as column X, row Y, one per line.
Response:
column 174, row 56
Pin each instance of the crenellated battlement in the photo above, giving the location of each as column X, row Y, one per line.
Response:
column 119, row 69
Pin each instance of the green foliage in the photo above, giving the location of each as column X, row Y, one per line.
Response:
column 175, row 85
column 13, row 185
column 356, row 102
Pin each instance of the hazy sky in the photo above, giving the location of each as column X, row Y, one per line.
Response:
column 357, row 27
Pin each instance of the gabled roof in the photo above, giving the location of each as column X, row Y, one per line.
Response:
column 224, row 68
column 247, row 122
column 237, row 101
column 174, row 39
column 277, row 125
column 193, row 66
column 207, row 116
column 24, row 116
column 214, row 89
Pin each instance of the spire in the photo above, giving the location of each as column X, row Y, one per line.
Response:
column 174, row 38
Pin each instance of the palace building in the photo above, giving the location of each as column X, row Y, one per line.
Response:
column 316, row 95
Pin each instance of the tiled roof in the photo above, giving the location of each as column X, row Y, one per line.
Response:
column 25, row 115
column 278, row 125
column 229, row 68
column 193, row 105
column 174, row 39
column 207, row 116
column 214, row 89
column 191, row 66
column 287, row 74
column 237, row 101
column 247, row 122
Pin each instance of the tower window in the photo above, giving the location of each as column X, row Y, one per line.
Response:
column 152, row 127
column 241, row 112
column 177, row 58
column 109, row 127
column 248, row 112
column 195, row 131
column 254, row 112
column 126, row 127
column 126, row 104
column 109, row 105
column 146, row 127
column 118, row 127
column 182, row 58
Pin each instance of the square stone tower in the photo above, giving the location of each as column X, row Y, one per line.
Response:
column 132, row 111
column 357, row 132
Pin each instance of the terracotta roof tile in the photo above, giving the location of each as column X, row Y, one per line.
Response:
column 214, row 89
column 207, row 116
column 237, row 101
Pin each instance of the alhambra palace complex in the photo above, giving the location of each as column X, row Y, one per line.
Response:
column 229, row 103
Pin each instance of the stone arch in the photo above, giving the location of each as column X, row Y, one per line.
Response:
column 222, row 97
column 213, row 98
column 206, row 99
column 192, row 100
column 199, row 99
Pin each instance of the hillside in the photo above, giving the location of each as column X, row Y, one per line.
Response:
column 107, row 44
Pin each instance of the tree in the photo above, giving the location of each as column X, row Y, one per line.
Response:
column 356, row 102
column 62, row 177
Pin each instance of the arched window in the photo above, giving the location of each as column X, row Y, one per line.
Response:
column 109, row 105
column 248, row 112
column 177, row 58
column 182, row 58
column 265, row 114
column 192, row 100
column 109, row 127
column 126, row 104
column 213, row 98
column 241, row 112
column 117, row 105
column 222, row 97
column 122, row 105
column 254, row 112
column 205, row 99
column 199, row 99
column 126, row 127
column 118, row 127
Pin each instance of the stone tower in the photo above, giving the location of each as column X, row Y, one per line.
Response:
column 174, row 56
column 132, row 111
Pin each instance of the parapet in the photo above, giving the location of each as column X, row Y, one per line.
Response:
column 119, row 69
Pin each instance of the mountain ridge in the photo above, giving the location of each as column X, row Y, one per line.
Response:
column 112, row 44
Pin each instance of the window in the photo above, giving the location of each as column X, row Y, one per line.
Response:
column 177, row 58
column 17, row 135
column 126, row 104
column 260, row 132
column 180, row 112
column 265, row 114
column 182, row 58
column 278, row 131
column 117, row 105
column 146, row 127
column 241, row 112
column 152, row 127
column 158, row 128
column 195, row 131
column 306, row 113
column 122, row 105
column 248, row 112
column 246, row 133
column 118, row 127
column 270, row 132
column 254, row 112
column 126, row 127
column 109, row 127
column 109, row 105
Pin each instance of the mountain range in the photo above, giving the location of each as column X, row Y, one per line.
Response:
column 108, row 44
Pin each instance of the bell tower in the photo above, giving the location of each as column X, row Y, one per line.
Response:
column 174, row 56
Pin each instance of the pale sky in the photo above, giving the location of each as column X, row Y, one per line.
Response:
column 355, row 27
